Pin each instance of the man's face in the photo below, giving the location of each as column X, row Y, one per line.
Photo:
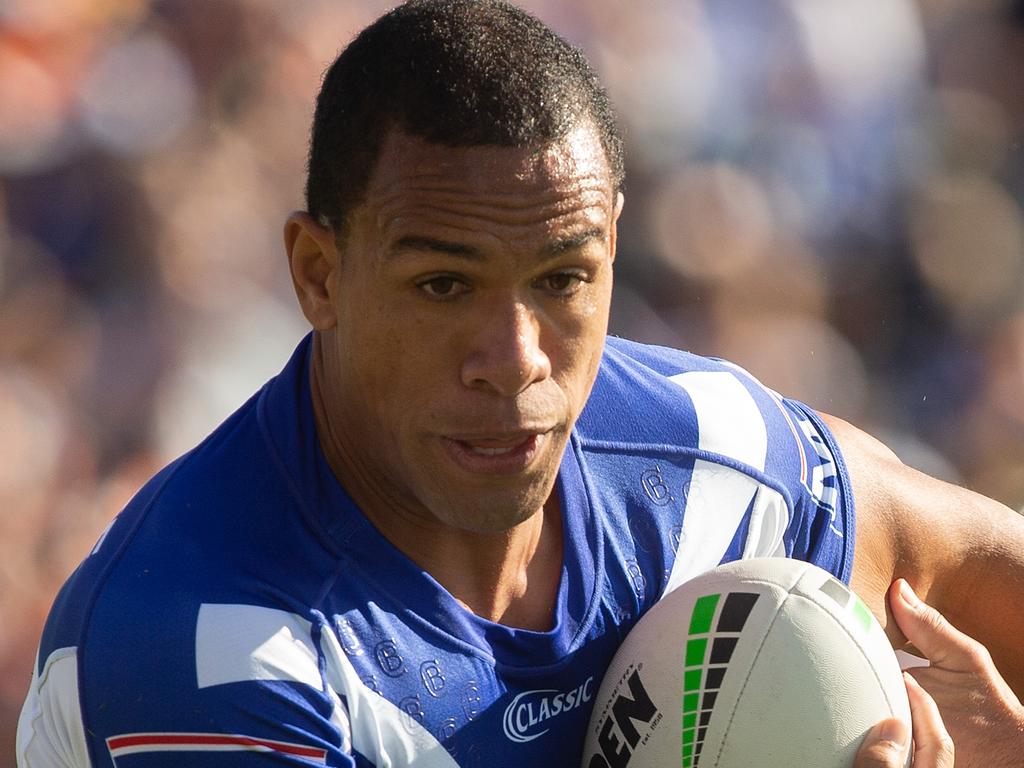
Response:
column 471, row 295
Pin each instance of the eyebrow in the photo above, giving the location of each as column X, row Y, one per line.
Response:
column 461, row 250
column 572, row 242
column 420, row 243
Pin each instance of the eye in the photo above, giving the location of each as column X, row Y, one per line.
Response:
column 562, row 283
column 442, row 286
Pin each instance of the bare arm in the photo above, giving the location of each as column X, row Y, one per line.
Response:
column 962, row 552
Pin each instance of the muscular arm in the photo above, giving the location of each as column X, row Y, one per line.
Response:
column 962, row 552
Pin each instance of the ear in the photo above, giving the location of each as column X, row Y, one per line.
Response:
column 620, row 200
column 312, row 257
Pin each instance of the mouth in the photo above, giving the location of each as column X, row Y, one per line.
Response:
column 495, row 455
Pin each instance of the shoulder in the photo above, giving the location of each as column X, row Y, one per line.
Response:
column 648, row 395
column 701, row 435
column 214, row 527
column 192, row 589
column 658, row 361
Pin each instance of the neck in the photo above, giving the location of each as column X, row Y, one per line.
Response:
column 509, row 577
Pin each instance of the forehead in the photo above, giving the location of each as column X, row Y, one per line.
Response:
column 569, row 175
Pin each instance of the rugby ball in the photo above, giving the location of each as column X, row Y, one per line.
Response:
column 761, row 663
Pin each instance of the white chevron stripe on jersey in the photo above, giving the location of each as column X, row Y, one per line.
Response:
column 715, row 504
column 728, row 419
column 769, row 519
column 50, row 729
column 380, row 731
column 235, row 643
column 729, row 424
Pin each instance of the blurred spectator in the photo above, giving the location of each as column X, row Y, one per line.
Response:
column 829, row 193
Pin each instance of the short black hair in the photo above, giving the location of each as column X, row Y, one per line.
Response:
column 454, row 72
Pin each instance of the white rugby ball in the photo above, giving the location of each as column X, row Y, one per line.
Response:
column 761, row 663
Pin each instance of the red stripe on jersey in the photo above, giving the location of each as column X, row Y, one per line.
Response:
column 200, row 741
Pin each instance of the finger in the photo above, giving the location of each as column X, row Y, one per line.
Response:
column 885, row 746
column 929, row 631
column 933, row 747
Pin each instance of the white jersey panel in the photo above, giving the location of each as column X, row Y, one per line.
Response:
column 715, row 505
column 380, row 731
column 769, row 519
column 731, row 425
column 50, row 731
column 236, row 643
column 729, row 420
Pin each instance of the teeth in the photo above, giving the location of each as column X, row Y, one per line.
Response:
column 491, row 451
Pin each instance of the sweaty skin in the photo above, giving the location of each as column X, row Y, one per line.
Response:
column 460, row 320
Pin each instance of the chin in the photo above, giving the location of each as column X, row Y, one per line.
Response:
column 487, row 503
column 488, row 513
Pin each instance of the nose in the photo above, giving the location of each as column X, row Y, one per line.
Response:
column 506, row 355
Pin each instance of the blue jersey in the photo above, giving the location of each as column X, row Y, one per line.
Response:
column 242, row 611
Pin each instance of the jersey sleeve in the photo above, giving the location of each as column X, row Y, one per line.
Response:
column 767, row 478
column 244, row 686
column 822, row 527
column 805, row 490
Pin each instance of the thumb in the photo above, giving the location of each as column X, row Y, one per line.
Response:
column 942, row 643
column 885, row 746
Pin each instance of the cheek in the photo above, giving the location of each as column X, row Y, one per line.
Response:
column 383, row 364
column 399, row 361
column 580, row 348
column 596, row 332
column 367, row 341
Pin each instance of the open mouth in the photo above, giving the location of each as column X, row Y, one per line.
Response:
column 493, row 455
column 484, row 450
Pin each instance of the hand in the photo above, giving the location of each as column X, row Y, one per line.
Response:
column 886, row 744
column 982, row 714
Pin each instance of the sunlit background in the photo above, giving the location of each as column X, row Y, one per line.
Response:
column 828, row 192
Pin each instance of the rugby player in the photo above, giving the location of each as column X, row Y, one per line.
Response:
column 421, row 543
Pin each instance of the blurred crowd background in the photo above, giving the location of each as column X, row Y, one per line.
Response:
column 828, row 192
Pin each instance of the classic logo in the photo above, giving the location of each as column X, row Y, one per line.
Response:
column 527, row 716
